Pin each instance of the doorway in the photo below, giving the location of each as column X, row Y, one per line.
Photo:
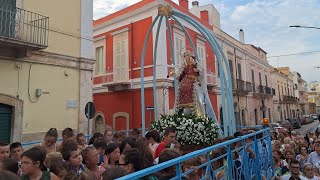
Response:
column 5, row 122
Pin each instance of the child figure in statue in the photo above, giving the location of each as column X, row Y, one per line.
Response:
column 187, row 78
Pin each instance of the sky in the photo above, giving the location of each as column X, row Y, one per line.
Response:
column 266, row 25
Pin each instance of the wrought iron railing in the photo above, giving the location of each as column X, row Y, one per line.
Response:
column 248, row 87
column 240, row 85
column 261, row 89
column 243, row 166
column 268, row 90
column 22, row 25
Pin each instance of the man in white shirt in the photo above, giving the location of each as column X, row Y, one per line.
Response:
column 295, row 173
column 308, row 171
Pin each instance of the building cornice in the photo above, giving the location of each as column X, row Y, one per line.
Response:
column 53, row 59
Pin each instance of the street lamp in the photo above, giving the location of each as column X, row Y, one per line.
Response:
column 311, row 27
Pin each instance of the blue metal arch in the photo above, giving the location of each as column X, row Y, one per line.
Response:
column 225, row 77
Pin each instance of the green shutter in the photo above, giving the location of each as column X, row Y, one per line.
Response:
column 5, row 122
column 7, row 18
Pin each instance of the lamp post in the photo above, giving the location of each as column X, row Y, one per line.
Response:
column 310, row 27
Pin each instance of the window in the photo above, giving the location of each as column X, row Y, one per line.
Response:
column 260, row 80
column 179, row 48
column 253, row 83
column 100, row 62
column 239, row 71
column 266, row 80
column 231, row 68
column 201, row 50
column 120, row 57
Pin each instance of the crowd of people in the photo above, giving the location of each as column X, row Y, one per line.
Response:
column 105, row 156
column 296, row 156
column 113, row 155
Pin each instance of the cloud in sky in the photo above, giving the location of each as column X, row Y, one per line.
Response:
column 266, row 24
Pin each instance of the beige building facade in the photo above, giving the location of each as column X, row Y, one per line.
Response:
column 284, row 101
column 46, row 62
column 300, row 92
column 314, row 97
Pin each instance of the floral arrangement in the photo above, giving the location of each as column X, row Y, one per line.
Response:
column 191, row 129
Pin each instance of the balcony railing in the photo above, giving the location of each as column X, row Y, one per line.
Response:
column 268, row 90
column 23, row 26
column 240, row 85
column 211, row 78
column 289, row 99
column 248, row 87
column 261, row 89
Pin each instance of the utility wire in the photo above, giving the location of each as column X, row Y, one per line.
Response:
column 294, row 54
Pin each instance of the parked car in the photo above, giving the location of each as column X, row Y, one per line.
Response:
column 295, row 123
column 314, row 116
column 305, row 119
column 276, row 125
column 286, row 124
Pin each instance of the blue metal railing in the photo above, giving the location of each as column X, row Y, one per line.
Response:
column 243, row 166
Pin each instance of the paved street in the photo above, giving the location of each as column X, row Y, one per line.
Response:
column 308, row 128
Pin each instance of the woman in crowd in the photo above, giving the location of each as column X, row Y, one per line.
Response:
column 112, row 153
column 108, row 135
column 50, row 140
column 303, row 156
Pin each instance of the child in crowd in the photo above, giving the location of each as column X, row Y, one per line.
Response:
column 59, row 168
column 7, row 175
column 52, row 158
column 72, row 155
column 81, row 140
column 100, row 144
column 108, row 135
column 169, row 137
column 9, row 165
column 91, row 160
column 32, row 161
column 113, row 153
column 193, row 164
column 16, row 151
column 113, row 173
column 75, row 176
column 50, row 140
column 4, row 150
column 67, row 134
column 153, row 137
column 166, row 155
column 135, row 133
column 94, row 137
column 118, row 137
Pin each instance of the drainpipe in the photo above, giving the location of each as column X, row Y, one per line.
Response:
column 131, row 73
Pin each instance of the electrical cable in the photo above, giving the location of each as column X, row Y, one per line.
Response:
column 29, row 78
column 294, row 54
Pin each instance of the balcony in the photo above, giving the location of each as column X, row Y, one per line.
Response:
column 268, row 90
column 211, row 80
column 108, row 80
column 21, row 31
column 248, row 87
column 261, row 89
column 262, row 92
column 238, row 87
column 289, row 99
